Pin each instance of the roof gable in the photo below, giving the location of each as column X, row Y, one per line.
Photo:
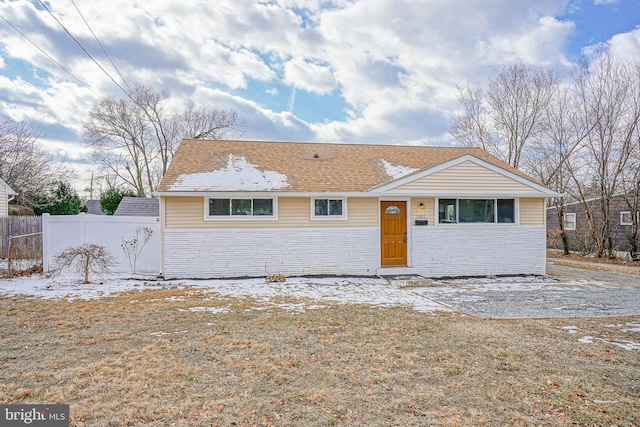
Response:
column 10, row 191
column 465, row 175
column 290, row 167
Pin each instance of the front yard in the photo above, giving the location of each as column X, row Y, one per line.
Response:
column 192, row 356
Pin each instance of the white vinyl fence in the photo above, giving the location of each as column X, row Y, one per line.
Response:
column 60, row 232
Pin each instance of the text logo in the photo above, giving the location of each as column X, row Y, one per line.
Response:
column 34, row 415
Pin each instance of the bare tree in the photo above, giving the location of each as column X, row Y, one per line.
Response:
column 608, row 93
column 26, row 167
column 552, row 154
column 507, row 118
column 84, row 260
column 631, row 190
column 135, row 138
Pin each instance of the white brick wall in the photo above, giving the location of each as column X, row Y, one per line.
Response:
column 435, row 252
column 476, row 250
column 258, row 252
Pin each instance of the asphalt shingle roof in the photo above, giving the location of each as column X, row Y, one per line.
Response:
column 204, row 165
column 94, row 208
column 138, row 206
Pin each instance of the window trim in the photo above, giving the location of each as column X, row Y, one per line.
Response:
column 230, row 217
column 314, row 217
column 495, row 211
column 630, row 222
column 574, row 221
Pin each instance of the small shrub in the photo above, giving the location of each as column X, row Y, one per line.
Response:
column 276, row 278
column 85, row 259
column 132, row 248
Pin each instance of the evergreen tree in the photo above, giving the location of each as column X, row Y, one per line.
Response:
column 110, row 200
column 61, row 200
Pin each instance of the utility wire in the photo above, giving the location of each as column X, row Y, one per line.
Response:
column 101, row 46
column 85, row 51
column 50, row 57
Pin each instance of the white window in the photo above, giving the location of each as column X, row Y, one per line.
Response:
column 328, row 208
column 626, row 218
column 476, row 210
column 570, row 221
column 240, row 208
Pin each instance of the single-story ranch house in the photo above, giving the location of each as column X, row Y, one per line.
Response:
column 247, row 208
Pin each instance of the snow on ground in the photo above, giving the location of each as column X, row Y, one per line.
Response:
column 366, row 291
column 624, row 344
column 349, row 290
column 372, row 291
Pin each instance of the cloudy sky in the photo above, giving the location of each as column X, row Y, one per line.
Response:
column 374, row 71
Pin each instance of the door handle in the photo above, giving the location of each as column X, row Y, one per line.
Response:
column 405, row 239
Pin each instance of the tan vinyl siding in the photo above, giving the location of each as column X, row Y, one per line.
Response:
column 532, row 211
column 468, row 178
column 188, row 212
column 428, row 210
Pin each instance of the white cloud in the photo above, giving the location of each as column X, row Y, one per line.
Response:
column 306, row 75
column 601, row 2
column 392, row 65
column 627, row 45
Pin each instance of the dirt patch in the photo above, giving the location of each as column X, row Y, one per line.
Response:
column 187, row 357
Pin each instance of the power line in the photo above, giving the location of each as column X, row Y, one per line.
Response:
column 84, row 50
column 102, row 47
column 50, row 57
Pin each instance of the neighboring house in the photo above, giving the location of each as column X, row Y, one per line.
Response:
column 577, row 229
column 138, row 206
column 6, row 195
column 94, row 208
column 242, row 208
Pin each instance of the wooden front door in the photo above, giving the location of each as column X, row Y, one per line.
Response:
column 393, row 230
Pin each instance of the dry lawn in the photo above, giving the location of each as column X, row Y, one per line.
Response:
column 145, row 358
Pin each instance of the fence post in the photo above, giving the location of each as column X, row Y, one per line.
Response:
column 45, row 242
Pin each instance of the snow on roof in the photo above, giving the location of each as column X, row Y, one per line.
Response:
column 397, row 171
column 238, row 175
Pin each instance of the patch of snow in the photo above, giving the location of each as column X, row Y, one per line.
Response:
column 174, row 299
column 397, row 171
column 635, row 328
column 238, row 175
column 159, row 334
column 605, row 401
column 571, row 329
column 213, row 310
column 625, row 344
column 375, row 292
column 67, row 286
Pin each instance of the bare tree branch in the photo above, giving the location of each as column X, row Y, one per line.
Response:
column 135, row 138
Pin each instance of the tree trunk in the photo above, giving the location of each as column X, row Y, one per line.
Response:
column 565, row 242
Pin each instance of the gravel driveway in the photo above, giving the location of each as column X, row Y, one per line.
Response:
column 570, row 289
